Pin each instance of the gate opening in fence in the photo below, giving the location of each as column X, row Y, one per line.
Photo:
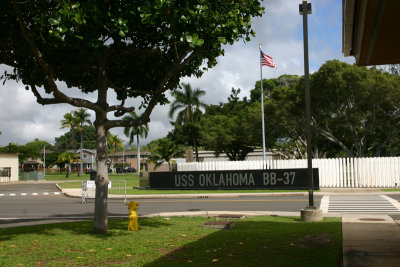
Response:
column 116, row 190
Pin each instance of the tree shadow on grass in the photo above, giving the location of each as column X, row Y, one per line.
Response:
column 263, row 243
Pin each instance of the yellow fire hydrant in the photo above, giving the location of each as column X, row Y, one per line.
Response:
column 133, row 224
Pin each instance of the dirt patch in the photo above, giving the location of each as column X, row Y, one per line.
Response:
column 164, row 251
column 323, row 239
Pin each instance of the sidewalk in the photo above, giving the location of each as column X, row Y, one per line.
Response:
column 370, row 240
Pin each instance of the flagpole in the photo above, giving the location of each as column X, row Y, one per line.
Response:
column 262, row 108
column 44, row 160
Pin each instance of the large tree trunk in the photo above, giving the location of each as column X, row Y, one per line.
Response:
column 100, row 208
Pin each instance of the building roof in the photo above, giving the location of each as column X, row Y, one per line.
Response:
column 127, row 153
column 93, row 151
column 48, row 151
column 34, row 162
column 370, row 32
column 9, row 154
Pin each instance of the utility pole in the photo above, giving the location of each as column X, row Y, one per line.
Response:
column 310, row 213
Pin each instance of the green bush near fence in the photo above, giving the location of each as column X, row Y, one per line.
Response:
column 32, row 176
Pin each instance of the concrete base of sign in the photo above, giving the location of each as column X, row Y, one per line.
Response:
column 223, row 217
column 311, row 214
column 223, row 225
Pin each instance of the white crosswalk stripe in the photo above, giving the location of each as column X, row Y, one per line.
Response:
column 30, row 194
column 361, row 204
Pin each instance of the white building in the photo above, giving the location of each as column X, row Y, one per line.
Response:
column 9, row 160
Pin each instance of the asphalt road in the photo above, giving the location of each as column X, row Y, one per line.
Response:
column 28, row 188
column 15, row 207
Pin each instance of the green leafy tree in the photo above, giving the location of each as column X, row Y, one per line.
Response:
column 188, row 102
column 270, row 85
column 284, row 118
column 163, row 150
column 31, row 150
column 89, row 141
column 139, row 132
column 233, row 128
column 51, row 158
column 284, row 115
column 138, row 49
column 182, row 134
column 356, row 108
column 354, row 112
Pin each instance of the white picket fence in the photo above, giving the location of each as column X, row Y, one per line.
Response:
column 339, row 172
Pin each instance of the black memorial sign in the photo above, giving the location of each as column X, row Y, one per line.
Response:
column 240, row 179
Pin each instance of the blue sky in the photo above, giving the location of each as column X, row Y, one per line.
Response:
column 280, row 31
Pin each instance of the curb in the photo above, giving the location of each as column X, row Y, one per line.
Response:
column 244, row 213
column 235, row 195
column 63, row 191
column 216, row 195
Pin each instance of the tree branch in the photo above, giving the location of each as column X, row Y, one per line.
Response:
column 41, row 100
column 161, row 86
column 120, row 110
column 59, row 97
column 328, row 135
column 145, row 117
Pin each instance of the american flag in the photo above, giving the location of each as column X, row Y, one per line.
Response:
column 267, row 60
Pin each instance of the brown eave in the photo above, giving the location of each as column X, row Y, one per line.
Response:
column 370, row 31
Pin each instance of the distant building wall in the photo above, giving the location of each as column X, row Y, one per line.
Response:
column 9, row 160
column 129, row 157
column 162, row 168
column 257, row 154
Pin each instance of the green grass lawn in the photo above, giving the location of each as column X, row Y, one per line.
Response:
column 74, row 177
column 390, row 189
column 176, row 241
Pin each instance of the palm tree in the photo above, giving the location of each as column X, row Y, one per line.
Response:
column 69, row 121
column 67, row 158
column 81, row 118
column 140, row 131
column 164, row 150
column 114, row 143
column 187, row 102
